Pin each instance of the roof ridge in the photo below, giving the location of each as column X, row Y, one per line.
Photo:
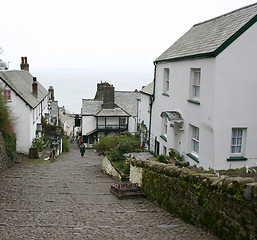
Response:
column 223, row 15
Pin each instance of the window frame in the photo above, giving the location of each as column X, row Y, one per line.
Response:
column 164, row 125
column 195, row 140
column 239, row 141
column 166, row 80
column 195, row 84
column 8, row 95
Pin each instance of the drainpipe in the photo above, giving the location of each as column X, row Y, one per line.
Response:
column 151, row 105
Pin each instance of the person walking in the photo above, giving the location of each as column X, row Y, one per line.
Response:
column 82, row 149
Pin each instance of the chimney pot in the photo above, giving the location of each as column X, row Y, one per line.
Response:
column 35, row 87
column 24, row 65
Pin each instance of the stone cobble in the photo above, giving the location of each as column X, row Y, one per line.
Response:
column 70, row 198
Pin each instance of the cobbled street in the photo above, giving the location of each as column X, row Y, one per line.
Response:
column 70, row 198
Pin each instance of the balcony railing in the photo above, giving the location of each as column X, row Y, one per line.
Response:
column 112, row 127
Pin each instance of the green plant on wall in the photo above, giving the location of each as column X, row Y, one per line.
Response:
column 173, row 154
column 38, row 143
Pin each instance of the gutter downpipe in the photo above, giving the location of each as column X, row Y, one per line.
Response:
column 152, row 98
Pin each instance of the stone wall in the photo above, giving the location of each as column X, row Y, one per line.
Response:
column 109, row 169
column 227, row 206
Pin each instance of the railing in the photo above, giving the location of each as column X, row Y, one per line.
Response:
column 112, row 127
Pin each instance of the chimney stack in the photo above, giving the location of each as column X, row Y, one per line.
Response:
column 24, row 64
column 108, row 96
column 35, row 87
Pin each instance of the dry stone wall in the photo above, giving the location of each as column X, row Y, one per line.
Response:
column 225, row 205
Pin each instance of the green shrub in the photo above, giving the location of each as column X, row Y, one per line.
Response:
column 173, row 154
column 6, row 123
column 38, row 143
column 65, row 144
column 10, row 145
column 162, row 158
column 127, row 144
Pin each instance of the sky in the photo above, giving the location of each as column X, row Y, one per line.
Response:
column 117, row 34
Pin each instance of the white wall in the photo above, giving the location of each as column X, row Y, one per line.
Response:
column 144, row 110
column 227, row 100
column 88, row 124
column 235, row 101
column 197, row 115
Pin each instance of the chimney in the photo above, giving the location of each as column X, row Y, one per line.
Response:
column 24, row 64
column 108, row 96
column 51, row 93
column 35, row 87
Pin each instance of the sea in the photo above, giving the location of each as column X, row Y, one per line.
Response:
column 73, row 85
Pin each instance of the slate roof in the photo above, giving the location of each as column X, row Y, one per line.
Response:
column 20, row 81
column 117, row 112
column 148, row 89
column 209, row 38
column 90, row 106
column 126, row 102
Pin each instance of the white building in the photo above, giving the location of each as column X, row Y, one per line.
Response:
column 27, row 101
column 144, row 113
column 205, row 93
column 109, row 113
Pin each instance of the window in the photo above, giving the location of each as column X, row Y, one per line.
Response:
column 164, row 150
column 195, row 140
column 166, row 80
column 7, row 95
column 195, row 84
column 237, row 141
column 165, row 125
column 122, row 122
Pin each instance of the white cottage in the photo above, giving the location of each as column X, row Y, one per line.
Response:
column 205, row 93
column 110, row 112
column 144, row 113
column 27, row 101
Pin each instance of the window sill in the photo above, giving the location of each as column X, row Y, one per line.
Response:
column 165, row 94
column 193, row 157
column 193, row 101
column 164, row 138
column 236, row 159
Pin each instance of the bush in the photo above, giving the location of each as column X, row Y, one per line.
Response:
column 115, row 147
column 6, row 123
column 126, row 144
column 162, row 158
column 10, row 145
column 173, row 154
column 38, row 143
column 65, row 144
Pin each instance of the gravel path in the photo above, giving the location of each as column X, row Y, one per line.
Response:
column 70, row 198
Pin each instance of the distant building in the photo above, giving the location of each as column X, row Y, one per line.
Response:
column 110, row 112
column 144, row 113
column 27, row 100
column 205, row 93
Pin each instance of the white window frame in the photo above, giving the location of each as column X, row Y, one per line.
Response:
column 164, row 151
column 195, row 140
column 166, row 80
column 195, row 86
column 164, row 125
column 237, row 142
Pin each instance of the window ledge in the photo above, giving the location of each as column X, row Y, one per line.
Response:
column 165, row 94
column 236, row 159
column 164, row 138
column 193, row 101
column 193, row 157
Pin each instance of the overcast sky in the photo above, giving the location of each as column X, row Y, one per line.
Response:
column 99, row 33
